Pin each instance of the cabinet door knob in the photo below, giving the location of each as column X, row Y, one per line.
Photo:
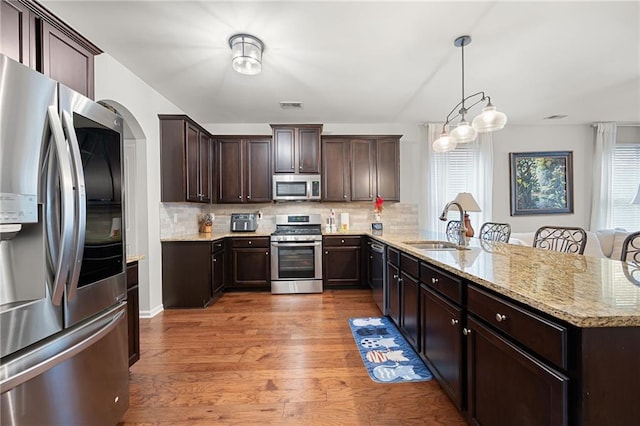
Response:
column 215, row 260
column 326, row 252
column 266, row 253
column 345, row 196
column 466, row 331
column 248, row 197
column 341, row 241
column 434, row 280
column 454, row 321
column 395, row 276
column 400, row 280
column 501, row 317
column 240, row 196
column 250, row 242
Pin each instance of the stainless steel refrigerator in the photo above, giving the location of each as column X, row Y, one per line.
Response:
column 63, row 325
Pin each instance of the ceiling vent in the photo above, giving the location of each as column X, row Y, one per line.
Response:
column 556, row 117
column 290, row 105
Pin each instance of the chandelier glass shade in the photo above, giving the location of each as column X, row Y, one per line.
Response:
column 444, row 143
column 488, row 120
column 246, row 53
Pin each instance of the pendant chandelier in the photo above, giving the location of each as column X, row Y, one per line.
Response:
column 489, row 119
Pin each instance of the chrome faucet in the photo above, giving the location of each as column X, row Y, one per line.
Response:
column 462, row 232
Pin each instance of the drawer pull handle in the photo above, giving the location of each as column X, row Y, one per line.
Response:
column 466, row 331
column 501, row 317
column 434, row 280
column 454, row 321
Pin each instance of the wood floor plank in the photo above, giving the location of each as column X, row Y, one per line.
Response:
column 256, row 358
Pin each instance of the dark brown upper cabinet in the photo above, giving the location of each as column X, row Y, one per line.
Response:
column 336, row 184
column 296, row 148
column 244, row 169
column 33, row 36
column 186, row 151
column 15, row 32
column 359, row 168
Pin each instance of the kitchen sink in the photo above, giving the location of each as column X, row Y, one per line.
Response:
column 434, row 245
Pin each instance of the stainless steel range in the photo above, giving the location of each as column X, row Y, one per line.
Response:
column 296, row 254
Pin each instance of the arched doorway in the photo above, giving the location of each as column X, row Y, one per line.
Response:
column 135, row 200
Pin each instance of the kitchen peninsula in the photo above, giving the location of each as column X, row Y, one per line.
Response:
column 514, row 332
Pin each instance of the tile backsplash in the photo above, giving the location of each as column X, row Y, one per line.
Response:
column 177, row 219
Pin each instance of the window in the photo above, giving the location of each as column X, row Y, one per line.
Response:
column 468, row 168
column 626, row 178
column 457, row 169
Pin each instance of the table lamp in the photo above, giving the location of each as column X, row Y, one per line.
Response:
column 468, row 203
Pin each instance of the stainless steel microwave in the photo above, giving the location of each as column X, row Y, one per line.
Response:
column 290, row 187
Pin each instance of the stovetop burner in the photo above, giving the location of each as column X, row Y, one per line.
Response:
column 297, row 227
column 298, row 230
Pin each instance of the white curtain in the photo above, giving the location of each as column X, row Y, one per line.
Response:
column 435, row 191
column 469, row 168
column 601, row 203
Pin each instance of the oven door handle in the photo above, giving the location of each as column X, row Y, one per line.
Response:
column 300, row 244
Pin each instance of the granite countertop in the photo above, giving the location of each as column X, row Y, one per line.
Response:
column 134, row 258
column 213, row 237
column 582, row 290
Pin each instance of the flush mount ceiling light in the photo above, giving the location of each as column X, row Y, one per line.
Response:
column 489, row 119
column 246, row 53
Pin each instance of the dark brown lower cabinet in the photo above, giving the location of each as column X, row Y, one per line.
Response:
column 342, row 261
column 218, row 276
column 393, row 296
column 507, row 386
column 250, row 263
column 186, row 274
column 409, row 314
column 441, row 342
column 133, row 312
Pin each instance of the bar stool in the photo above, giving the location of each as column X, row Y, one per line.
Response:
column 494, row 231
column 631, row 248
column 560, row 238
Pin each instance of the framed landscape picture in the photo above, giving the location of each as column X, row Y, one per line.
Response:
column 541, row 182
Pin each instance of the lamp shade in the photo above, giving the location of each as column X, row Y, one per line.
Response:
column 246, row 53
column 468, row 203
column 464, row 133
column 489, row 120
column 636, row 199
column 444, row 143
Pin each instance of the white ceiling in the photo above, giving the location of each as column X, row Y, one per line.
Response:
column 377, row 62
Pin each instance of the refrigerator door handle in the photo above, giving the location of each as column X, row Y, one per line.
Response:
column 80, row 205
column 66, row 195
column 34, row 364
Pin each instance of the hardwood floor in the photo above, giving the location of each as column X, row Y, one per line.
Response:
column 257, row 358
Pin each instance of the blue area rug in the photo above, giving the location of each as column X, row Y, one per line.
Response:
column 385, row 353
